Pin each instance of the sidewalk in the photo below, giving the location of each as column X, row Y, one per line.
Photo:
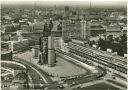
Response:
column 92, row 83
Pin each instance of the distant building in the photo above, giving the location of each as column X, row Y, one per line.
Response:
column 10, row 27
column 96, row 29
column 66, row 12
column 37, row 26
column 26, row 27
column 7, row 17
column 71, row 30
column 113, row 30
column 17, row 46
column 23, row 22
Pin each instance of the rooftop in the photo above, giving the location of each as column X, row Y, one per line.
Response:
column 113, row 28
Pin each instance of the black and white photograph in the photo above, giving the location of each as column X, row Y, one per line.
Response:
column 63, row 45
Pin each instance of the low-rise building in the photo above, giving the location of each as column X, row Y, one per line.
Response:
column 113, row 30
column 72, row 29
column 96, row 29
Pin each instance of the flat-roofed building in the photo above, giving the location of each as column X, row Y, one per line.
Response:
column 66, row 12
column 113, row 30
column 72, row 29
column 96, row 29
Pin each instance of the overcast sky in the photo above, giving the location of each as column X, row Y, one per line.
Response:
column 68, row 2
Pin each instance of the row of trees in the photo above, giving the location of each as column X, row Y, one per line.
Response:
column 118, row 44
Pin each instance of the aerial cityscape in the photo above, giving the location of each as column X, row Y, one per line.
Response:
column 64, row 46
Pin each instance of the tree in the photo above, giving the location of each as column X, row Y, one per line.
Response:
column 110, row 41
column 102, row 44
column 123, row 43
column 123, row 38
column 40, row 44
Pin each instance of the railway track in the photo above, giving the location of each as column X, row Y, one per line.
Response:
column 82, row 78
column 75, row 45
column 107, row 61
column 120, row 59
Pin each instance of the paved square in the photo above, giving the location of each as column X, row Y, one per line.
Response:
column 63, row 68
